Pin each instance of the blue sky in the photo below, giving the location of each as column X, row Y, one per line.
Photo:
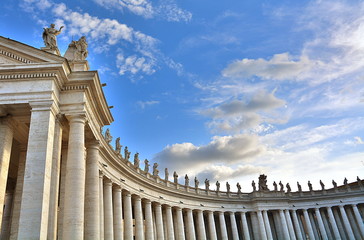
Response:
column 224, row 90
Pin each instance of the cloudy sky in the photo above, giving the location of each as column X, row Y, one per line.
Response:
column 224, row 90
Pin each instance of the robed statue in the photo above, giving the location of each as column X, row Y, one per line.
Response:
column 49, row 36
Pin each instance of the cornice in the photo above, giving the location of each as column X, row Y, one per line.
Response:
column 14, row 56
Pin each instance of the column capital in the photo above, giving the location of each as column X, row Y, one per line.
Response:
column 137, row 198
column 127, row 194
column 117, row 188
column 76, row 117
column 46, row 105
column 95, row 144
column 108, row 182
column 167, row 206
column 147, row 201
column 101, row 174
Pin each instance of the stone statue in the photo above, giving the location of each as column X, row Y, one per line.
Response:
column 281, row 187
column 49, row 36
column 254, row 187
column 146, row 165
column 275, row 186
column 207, row 184
column 227, row 187
column 288, row 188
column 334, row 184
column 322, row 185
column 187, row 180
column 175, row 177
column 345, row 181
column 262, row 183
column 309, row 185
column 299, row 187
column 126, row 153
column 217, row 186
column 196, row 182
column 77, row 50
column 118, row 146
column 358, row 179
column 155, row 170
column 238, row 187
column 166, row 174
column 108, row 137
column 136, row 160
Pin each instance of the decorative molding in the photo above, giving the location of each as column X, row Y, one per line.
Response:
column 15, row 57
column 74, row 87
column 28, row 75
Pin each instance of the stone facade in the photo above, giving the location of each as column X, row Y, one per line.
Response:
column 61, row 179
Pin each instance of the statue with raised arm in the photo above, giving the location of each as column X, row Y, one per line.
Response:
column 146, row 165
column 207, row 184
column 196, row 182
column 275, row 186
column 108, row 137
column 309, row 185
column 227, row 187
column 334, row 184
column 238, row 187
column 187, row 180
column 126, row 153
column 281, row 186
column 77, row 50
column 175, row 177
column 299, row 187
column 217, row 186
column 49, row 36
column 288, row 188
column 322, row 185
column 136, row 160
column 166, row 174
column 254, row 186
column 118, row 146
column 155, row 170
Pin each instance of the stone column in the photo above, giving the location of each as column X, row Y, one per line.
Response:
column 118, row 213
column 191, row 235
column 180, row 225
column 222, row 224
column 284, row 224
column 333, row 223
column 349, row 231
column 244, row 223
column 128, row 217
column 169, row 225
column 18, row 195
column 212, row 228
column 108, row 211
column 262, row 234
column 92, row 198
column 267, row 225
column 149, row 231
column 61, row 194
column 308, row 224
column 54, row 192
column 138, row 215
column 6, row 142
column 33, row 222
column 321, row 224
column 201, row 232
column 290, row 225
column 101, row 207
column 296, row 225
column 5, row 225
column 234, row 227
column 73, row 218
column 158, row 221
column 339, row 223
column 359, row 220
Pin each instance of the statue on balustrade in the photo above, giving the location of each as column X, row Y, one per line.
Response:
column 126, row 153
column 166, row 174
column 196, row 182
column 77, row 50
column 275, row 186
column 238, row 187
column 254, row 186
column 334, row 184
column 146, row 165
column 227, row 187
column 49, row 36
column 207, row 184
column 108, row 137
column 322, row 185
column 281, row 187
column 309, row 185
column 118, row 146
column 175, row 177
column 262, row 183
column 299, row 187
column 288, row 188
column 345, row 181
column 136, row 160
column 187, row 180
column 155, row 170
column 217, row 186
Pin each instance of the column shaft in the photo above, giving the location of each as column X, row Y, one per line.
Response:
column 267, row 225
column 138, row 215
column 212, row 228
column 180, row 224
column 245, row 226
column 118, row 213
column 348, row 229
column 169, row 221
column 284, row 224
column 321, row 224
column 308, row 224
column 333, row 223
column 296, row 225
column 92, row 198
column 33, row 222
column 61, row 194
column 359, row 220
column 108, row 211
column 128, row 218
column 223, row 229
column 149, row 229
column 101, row 207
column 234, row 227
column 5, row 225
column 263, row 235
column 289, row 225
column 159, row 221
column 201, row 232
column 190, row 228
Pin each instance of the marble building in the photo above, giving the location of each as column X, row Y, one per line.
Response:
column 63, row 177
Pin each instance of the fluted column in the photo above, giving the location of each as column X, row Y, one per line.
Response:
column 190, row 228
column 321, row 224
column 92, row 198
column 262, row 234
column 245, row 226
column 138, row 215
column 222, row 224
column 289, row 225
column 234, row 228
column 308, row 224
column 118, row 213
column 212, row 228
column 180, row 224
column 6, row 141
column 169, row 225
column 267, row 225
column 33, row 222
column 296, row 225
column 348, row 229
column 101, row 207
column 159, row 221
column 128, row 217
column 149, row 230
column 108, row 211
column 201, row 232
column 359, row 220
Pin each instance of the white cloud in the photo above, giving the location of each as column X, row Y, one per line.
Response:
column 144, row 104
column 134, row 64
